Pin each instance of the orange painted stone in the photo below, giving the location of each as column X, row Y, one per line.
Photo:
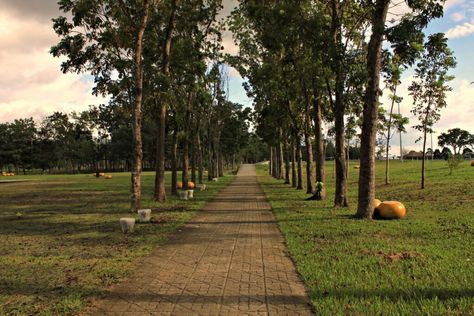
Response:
column 377, row 202
column 179, row 184
column 391, row 210
column 191, row 185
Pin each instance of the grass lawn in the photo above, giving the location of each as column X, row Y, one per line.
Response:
column 67, row 246
column 421, row 265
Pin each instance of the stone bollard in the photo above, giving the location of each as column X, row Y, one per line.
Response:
column 190, row 194
column 145, row 215
column 183, row 195
column 127, row 224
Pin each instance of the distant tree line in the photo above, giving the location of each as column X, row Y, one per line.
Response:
column 100, row 139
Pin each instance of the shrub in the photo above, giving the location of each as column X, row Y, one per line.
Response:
column 453, row 162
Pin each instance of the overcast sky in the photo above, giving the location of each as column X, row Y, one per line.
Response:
column 31, row 83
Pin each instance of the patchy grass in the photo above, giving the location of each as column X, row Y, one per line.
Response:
column 421, row 265
column 61, row 242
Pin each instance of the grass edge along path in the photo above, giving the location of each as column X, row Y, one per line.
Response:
column 421, row 265
column 61, row 240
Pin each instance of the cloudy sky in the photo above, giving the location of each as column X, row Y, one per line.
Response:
column 31, row 83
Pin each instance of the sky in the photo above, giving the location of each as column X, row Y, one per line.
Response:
column 32, row 85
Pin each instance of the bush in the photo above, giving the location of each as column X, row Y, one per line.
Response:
column 453, row 162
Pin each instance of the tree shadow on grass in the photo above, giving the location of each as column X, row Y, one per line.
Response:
column 41, row 226
column 412, row 294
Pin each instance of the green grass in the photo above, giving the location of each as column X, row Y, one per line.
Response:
column 61, row 243
column 421, row 265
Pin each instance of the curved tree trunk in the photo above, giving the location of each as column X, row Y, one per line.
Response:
column 365, row 207
column 137, row 114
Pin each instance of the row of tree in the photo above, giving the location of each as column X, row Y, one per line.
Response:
column 311, row 61
column 160, row 62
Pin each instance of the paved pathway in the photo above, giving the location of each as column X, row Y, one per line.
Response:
column 229, row 260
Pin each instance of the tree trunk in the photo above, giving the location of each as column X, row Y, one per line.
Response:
column 221, row 164
column 193, row 162
column 401, row 145
column 137, row 114
column 300, row 167
column 425, row 129
column 293, row 165
column 318, row 133
column 193, row 152
column 365, row 206
column 287, row 162
column 387, row 147
column 423, row 160
column 187, row 121
column 160, row 192
column 199, row 158
column 340, row 198
column 210, row 172
column 270, row 166
column 309, row 152
column 174, row 161
column 274, row 162
column 279, row 161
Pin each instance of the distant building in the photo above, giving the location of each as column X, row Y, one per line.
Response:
column 414, row 155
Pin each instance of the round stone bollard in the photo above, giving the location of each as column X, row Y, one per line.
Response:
column 127, row 224
column 183, row 195
column 145, row 215
column 190, row 194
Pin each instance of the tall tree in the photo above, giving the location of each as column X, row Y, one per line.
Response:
column 430, row 87
column 103, row 37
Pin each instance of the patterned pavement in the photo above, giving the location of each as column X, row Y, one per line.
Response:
column 229, row 260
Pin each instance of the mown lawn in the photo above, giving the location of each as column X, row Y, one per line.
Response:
column 421, row 265
column 65, row 246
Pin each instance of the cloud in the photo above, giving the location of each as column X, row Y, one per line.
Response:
column 458, row 16
column 40, row 10
column 32, row 83
column 458, row 113
column 452, row 3
column 461, row 30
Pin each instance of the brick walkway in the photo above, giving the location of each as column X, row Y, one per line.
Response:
column 229, row 260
